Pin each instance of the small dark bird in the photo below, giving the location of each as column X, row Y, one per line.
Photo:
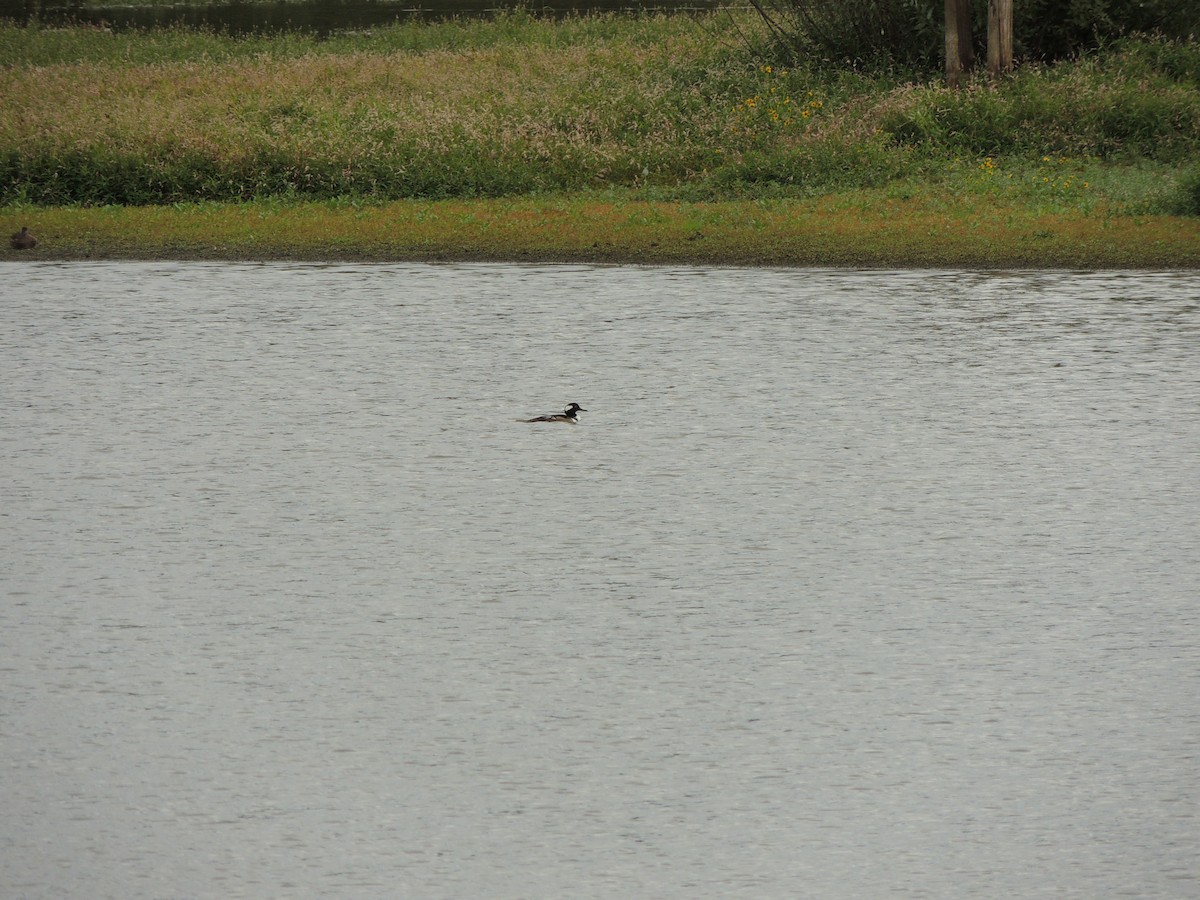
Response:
column 567, row 415
column 23, row 240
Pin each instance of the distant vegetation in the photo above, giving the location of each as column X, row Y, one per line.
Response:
column 651, row 107
column 909, row 33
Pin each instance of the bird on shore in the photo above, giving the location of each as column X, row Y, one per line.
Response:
column 567, row 415
column 23, row 240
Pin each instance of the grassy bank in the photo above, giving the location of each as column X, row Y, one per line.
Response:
column 875, row 228
column 561, row 136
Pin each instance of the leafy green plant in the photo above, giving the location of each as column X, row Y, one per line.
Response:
column 1188, row 202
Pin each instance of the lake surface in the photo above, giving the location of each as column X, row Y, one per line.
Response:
column 848, row 584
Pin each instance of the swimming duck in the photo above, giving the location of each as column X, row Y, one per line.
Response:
column 23, row 240
column 567, row 415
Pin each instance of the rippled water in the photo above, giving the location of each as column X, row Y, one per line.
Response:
column 849, row 584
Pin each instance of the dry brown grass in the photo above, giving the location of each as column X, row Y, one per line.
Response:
column 525, row 103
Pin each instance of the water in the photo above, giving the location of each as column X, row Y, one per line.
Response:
column 849, row 584
column 323, row 17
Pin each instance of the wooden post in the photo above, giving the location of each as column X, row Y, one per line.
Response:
column 960, row 56
column 1000, row 37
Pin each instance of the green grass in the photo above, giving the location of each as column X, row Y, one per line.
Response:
column 150, row 4
column 661, row 111
column 50, row 46
column 901, row 225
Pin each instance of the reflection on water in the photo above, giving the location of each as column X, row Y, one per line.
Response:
column 849, row 584
column 318, row 16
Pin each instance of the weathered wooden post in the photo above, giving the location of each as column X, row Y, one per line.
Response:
column 1000, row 37
column 960, row 55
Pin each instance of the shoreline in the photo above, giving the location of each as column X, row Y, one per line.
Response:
column 861, row 230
